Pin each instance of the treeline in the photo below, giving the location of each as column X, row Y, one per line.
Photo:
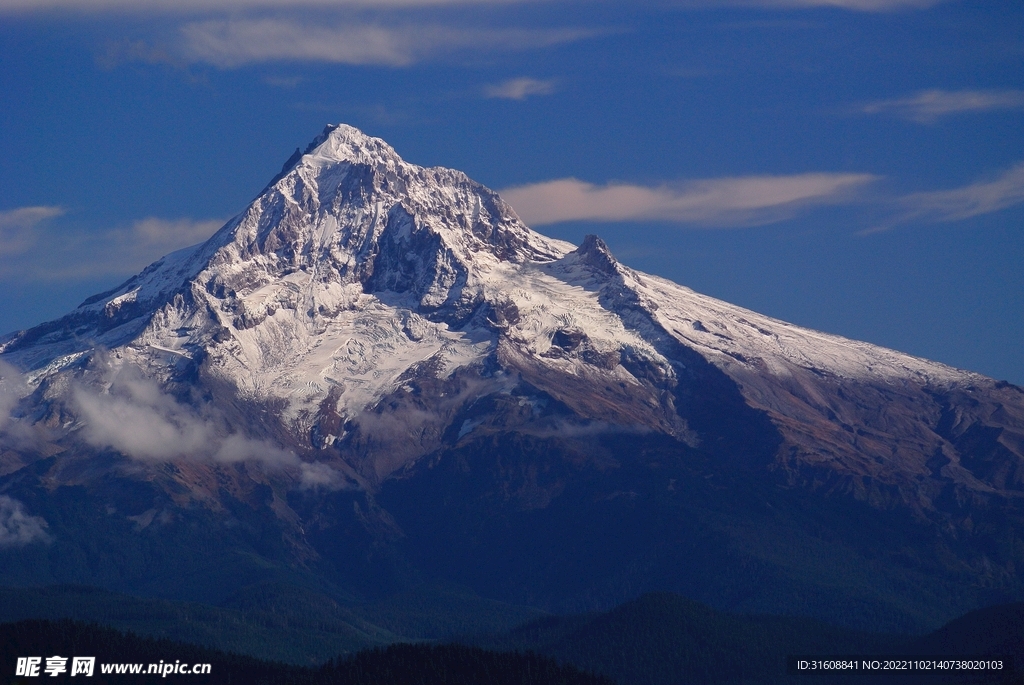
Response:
column 400, row 664
column 657, row 639
column 69, row 638
column 666, row 639
column 274, row 621
column 280, row 622
column 455, row 664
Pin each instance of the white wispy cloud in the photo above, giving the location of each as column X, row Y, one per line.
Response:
column 927, row 106
column 852, row 5
column 236, row 42
column 12, row 389
column 18, row 528
column 982, row 197
column 856, row 5
column 133, row 415
column 738, row 201
column 36, row 249
column 18, row 227
column 155, row 234
column 206, row 6
column 519, row 88
column 13, row 433
column 17, row 432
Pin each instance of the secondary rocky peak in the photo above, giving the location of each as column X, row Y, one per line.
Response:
column 596, row 254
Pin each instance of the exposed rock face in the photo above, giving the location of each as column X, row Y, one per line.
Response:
column 367, row 324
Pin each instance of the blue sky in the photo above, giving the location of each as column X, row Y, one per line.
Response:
column 855, row 166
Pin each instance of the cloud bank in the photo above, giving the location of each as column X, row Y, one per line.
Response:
column 134, row 416
column 927, row 106
column 17, row 528
column 738, row 201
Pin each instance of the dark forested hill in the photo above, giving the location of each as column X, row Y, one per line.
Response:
column 665, row 639
column 402, row 664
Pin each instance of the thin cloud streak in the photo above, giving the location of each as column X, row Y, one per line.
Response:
column 851, row 5
column 927, row 106
column 519, row 88
column 207, row 6
column 45, row 251
column 983, row 197
column 234, row 43
column 856, row 5
column 18, row 227
column 740, row 201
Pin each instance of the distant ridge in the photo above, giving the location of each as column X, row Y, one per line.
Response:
column 657, row 639
column 272, row 621
column 665, row 639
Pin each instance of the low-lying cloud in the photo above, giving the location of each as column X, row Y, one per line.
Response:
column 133, row 415
column 137, row 419
column 236, row 42
column 12, row 389
column 17, row 527
column 14, row 432
column 738, row 201
column 927, row 106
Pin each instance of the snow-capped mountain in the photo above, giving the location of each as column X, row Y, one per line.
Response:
column 364, row 319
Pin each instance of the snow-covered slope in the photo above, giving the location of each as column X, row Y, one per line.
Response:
column 356, row 273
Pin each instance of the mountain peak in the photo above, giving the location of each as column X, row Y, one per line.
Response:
column 369, row 323
column 344, row 143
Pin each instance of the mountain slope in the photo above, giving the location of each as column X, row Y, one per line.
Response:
column 377, row 373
